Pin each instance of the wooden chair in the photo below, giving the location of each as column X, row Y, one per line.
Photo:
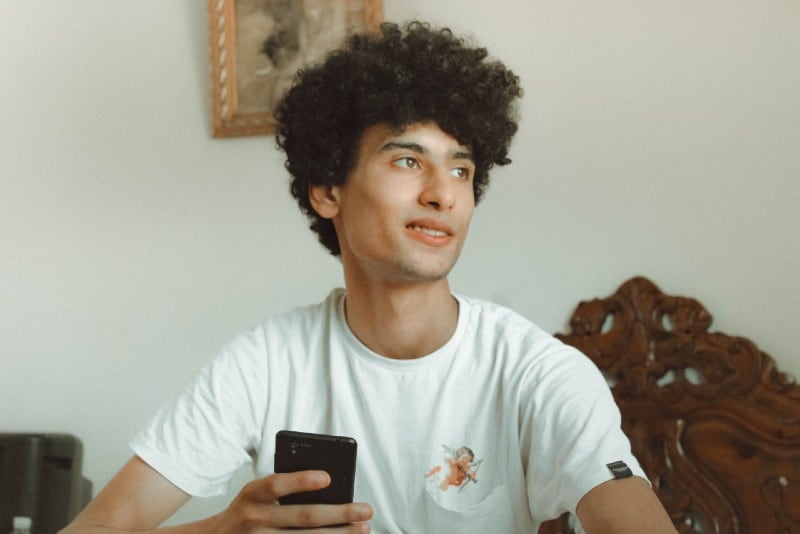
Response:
column 714, row 424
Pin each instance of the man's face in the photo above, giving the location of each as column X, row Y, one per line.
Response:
column 404, row 210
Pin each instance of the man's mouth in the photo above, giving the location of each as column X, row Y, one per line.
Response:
column 431, row 232
column 427, row 231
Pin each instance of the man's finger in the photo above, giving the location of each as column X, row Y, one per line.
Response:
column 321, row 515
column 270, row 488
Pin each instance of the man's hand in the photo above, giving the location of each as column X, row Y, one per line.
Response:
column 256, row 508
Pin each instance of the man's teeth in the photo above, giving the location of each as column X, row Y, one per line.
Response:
column 429, row 231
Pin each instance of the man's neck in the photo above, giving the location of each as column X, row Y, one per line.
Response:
column 403, row 321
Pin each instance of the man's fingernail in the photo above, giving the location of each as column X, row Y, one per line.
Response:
column 363, row 509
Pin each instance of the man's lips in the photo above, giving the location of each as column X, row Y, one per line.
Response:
column 431, row 226
column 430, row 231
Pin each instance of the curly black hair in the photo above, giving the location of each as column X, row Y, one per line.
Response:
column 397, row 76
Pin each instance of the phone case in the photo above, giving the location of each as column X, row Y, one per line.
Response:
column 298, row 451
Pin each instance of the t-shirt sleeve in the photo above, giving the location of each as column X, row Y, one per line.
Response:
column 202, row 437
column 571, row 428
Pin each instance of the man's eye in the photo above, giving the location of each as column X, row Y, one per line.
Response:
column 407, row 163
column 460, row 172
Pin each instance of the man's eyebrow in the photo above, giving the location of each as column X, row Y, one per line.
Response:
column 414, row 147
column 463, row 155
column 419, row 149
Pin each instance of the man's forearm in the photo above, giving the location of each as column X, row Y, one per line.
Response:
column 196, row 527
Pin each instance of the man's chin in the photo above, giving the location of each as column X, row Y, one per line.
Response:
column 416, row 273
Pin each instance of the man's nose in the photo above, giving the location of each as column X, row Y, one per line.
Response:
column 438, row 192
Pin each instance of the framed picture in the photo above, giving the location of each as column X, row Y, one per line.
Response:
column 257, row 46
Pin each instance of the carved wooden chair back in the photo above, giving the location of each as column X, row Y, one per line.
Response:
column 714, row 424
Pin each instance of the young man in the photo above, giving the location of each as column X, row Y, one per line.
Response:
column 468, row 417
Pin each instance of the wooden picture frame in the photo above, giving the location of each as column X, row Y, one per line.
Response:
column 257, row 46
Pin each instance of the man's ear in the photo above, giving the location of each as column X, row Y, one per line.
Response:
column 324, row 199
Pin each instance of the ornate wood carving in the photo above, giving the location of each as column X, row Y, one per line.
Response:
column 714, row 424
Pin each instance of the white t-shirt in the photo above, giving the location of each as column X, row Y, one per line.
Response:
column 500, row 429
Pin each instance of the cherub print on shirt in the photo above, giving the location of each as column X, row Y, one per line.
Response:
column 457, row 469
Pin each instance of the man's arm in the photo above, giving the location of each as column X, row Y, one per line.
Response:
column 139, row 498
column 623, row 506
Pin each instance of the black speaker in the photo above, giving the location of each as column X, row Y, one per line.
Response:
column 41, row 478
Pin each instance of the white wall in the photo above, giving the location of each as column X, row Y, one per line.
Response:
column 657, row 138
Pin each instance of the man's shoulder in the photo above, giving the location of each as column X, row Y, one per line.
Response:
column 515, row 339
column 503, row 319
column 308, row 312
column 289, row 325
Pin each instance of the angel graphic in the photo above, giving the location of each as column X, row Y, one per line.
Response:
column 460, row 468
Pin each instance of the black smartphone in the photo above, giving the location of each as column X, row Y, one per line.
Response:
column 298, row 451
